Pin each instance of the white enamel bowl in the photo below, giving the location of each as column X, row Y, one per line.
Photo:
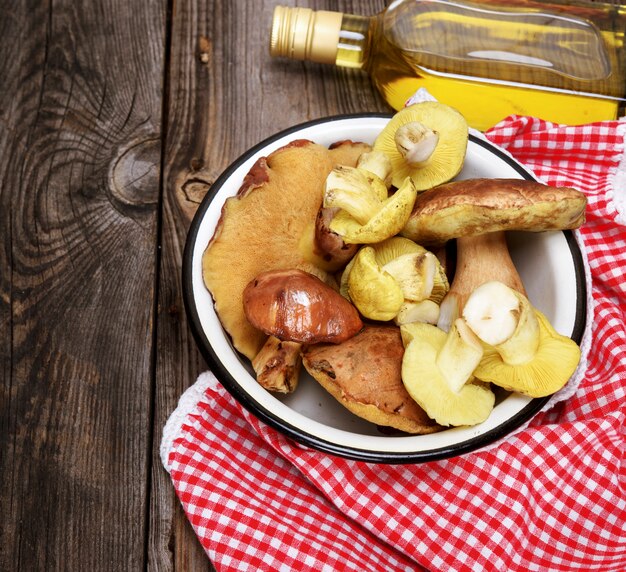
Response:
column 549, row 263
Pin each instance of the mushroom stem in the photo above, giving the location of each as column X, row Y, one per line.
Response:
column 277, row 365
column 378, row 163
column 460, row 354
column 425, row 311
column 480, row 259
column 415, row 273
column 504, row 319
column 416, row 142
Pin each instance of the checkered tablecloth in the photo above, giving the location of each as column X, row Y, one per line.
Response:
column 551, row 497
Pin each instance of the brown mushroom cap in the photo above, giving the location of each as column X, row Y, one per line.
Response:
column 296, row 306
column 262, row 228
column 478, row 206
column 364, row 375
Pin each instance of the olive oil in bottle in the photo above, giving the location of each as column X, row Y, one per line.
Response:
column 563, row 62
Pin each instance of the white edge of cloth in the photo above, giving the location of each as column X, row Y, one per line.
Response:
column 618, row 180
column 187, row 405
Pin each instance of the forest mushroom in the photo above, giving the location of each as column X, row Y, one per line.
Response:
column 384, row 277
column 296, row 306
column 364, row 375
column 332, row 250
column 357, row 191
column 378, row 163
column 426, row 141
column 371, row 176
column 397, row 248
column 437, row 372
column 269, row 225
column 479, row 206
column 523, row 352
column 426, row 311
column 277, row 365
column 375, row 293
column 477, row 212
column 366, row 218
column 479, row 259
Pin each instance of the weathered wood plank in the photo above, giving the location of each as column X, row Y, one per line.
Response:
column 225, row 94
column 80, row 148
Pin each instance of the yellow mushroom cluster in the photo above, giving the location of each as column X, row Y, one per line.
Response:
column 395, row 279
column 486, row 332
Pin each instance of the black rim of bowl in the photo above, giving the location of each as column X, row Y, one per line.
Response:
column 317, row 443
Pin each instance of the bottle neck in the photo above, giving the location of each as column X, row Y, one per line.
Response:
column 320, row 36
column 353, row 43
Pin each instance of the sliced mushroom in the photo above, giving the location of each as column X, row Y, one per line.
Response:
column 363, row 374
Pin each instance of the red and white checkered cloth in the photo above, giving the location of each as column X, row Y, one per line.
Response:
column 551, row 497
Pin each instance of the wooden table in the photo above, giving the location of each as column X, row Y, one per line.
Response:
column 115, row 118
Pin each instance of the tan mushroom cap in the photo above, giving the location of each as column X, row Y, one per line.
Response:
column 262, row 228
column 479, row 206
column 364, row 375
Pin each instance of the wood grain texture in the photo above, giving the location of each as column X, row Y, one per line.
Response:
column 225, row 94
column 80, row 148
column 115, row 119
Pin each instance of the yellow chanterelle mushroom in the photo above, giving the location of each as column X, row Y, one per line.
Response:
column 523, row 352
column 427, row 142
column 437, row 372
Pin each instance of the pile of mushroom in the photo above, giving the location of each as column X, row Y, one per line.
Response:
column 366, row 296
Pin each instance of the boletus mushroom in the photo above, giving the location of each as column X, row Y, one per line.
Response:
column 364, row 375
column 479, row 206
column 477, row 212
column 269, row 225
column 277, row 365
column 427, row 142
column 296, row 306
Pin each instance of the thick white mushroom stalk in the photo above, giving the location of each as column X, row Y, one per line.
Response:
column 416, row 142
column 504, row 319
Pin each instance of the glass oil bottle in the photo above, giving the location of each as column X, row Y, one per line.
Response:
column 561, row 61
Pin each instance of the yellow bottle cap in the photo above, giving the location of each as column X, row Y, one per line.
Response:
column 304, row 34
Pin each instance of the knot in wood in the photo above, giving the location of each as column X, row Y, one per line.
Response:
column 134, row 176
